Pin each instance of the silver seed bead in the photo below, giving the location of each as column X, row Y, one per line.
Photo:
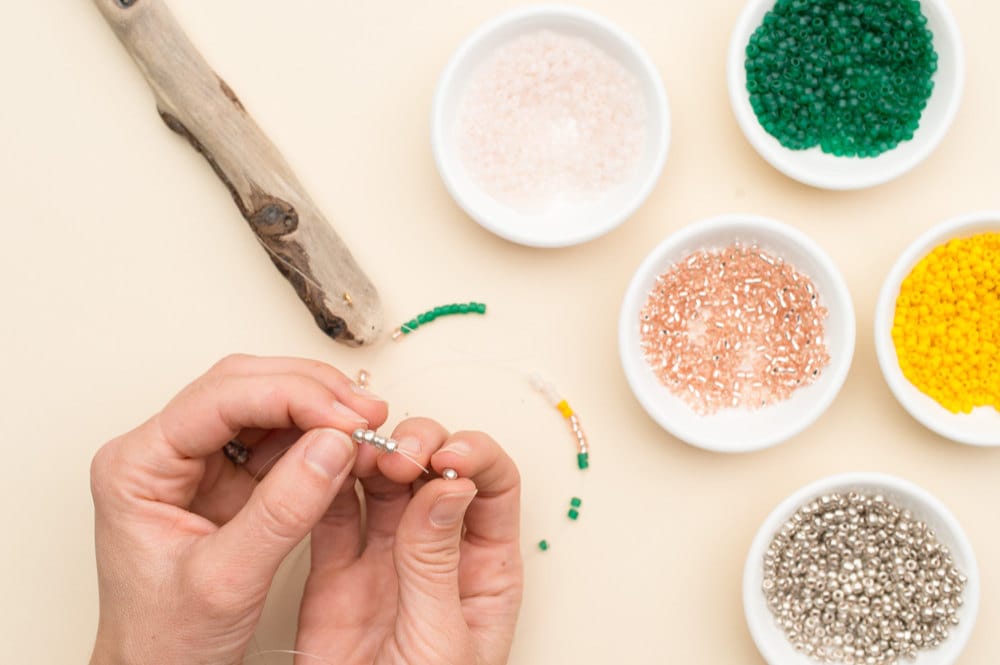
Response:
column 369, row 436
column 853, row 578
column 359, row 435
column 449, row 474
column 391, row 445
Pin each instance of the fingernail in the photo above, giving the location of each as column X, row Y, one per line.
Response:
column 364, row 392
column 329, row 452
column 349, row 414
column 410, row 445
column 449, row 509
column 457, row 447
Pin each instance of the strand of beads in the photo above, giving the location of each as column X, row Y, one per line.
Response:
column 373, row 438
column 549, row 391
column 432, row 314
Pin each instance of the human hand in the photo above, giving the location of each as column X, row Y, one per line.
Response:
column 188, row 542
column 415, row 584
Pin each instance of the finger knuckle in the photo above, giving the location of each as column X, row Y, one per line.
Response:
column 217, row 589
column 101, row 466
column 428, row 559
column 423, row 424
column 230, row 363
column 283, row 518
column 325, row 370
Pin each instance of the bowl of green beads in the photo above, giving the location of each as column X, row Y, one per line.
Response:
column 937, row 329
column 845, row 94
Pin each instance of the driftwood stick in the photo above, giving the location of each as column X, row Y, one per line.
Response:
column 198, row 105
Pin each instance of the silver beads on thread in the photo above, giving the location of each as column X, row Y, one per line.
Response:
column 854, row 579
column 372, row 438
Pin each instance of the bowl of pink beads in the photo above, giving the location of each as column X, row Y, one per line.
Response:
column 550, row 126
column 736, row 333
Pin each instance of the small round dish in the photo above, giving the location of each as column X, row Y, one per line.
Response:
column 739, row 430
column 982, row 426
column 771, row 641
column 563, row 224
column 819, row 169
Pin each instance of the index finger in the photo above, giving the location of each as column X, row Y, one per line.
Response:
column 211, row 411
column 494, row 517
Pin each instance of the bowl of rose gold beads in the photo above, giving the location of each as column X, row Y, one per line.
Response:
column 861, row 569
column 550, row 126
column 736, row 333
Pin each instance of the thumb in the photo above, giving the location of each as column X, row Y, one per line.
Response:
column 427, row 552
column 285, row 506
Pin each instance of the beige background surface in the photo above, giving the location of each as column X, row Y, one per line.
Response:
column 127, row 271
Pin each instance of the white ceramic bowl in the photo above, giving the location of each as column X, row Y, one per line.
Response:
column 561, row 225
column 982, row 426
column 816, row 168
column 771, row 640
column 740, row 430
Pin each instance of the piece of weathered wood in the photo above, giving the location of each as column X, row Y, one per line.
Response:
column 195, row 103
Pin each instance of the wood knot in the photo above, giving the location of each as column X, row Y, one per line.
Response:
column 228, row 92
column 270, row 216
column 274, row 219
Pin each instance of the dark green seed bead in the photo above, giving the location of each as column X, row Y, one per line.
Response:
column 573, row 513
column 583, row 460
column 575, row 502
column 819, row 70
column 543, row 545
column 442, row 310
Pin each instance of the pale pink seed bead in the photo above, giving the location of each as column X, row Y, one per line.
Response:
column 733, row 328
column 548, row 117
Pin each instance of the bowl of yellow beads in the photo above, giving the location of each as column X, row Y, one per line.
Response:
column 937, row 329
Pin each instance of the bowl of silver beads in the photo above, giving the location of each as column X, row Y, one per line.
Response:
column 861, row 569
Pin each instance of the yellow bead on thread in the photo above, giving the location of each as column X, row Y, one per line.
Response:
column 564, row 409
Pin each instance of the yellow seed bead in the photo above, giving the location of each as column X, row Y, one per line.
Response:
column 946, row 327
column 564, row 409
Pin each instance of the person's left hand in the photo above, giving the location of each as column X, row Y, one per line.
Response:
column 188, row 542
column 433, row 573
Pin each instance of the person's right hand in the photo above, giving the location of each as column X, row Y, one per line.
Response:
column 432, row 575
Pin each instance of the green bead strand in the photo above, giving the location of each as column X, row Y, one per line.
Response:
column 432, row 314
column 850, row 76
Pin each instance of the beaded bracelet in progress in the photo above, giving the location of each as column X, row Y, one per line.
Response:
column 432, row 314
